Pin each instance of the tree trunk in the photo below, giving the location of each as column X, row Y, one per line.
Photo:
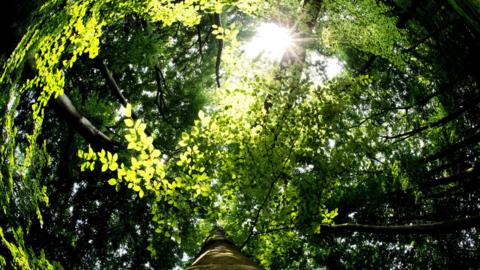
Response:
column 220, row 253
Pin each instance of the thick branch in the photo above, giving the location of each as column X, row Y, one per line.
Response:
column 454, row 147
column 448, row 226
column 88, row 131
column 452, row 192
column 462, row 162
column 459, row 177
column 440, row 122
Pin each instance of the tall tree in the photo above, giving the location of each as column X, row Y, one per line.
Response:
column 130, row 128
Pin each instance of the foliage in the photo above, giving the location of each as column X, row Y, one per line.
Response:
column 274, row 156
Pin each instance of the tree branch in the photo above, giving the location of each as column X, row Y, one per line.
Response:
column 447, row 226
column 112, row 84
column 276, row 229
column 200, row 45
column 116, row 91
column 88, row 131
column 466, row 142
column 218, row 22
column 160, row 98
column 433, row 33
column 440, row 122
column 463, row 176
column 257, row 215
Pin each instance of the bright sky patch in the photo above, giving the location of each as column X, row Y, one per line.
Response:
column 270, row 40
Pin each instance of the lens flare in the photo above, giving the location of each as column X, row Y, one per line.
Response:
column 270, row 40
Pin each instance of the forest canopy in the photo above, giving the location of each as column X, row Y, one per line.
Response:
column 319, row 134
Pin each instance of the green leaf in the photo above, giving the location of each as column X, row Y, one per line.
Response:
column 113, row 166
column 134, row 162
column 155, row 153
column 128, row 111
column 131, row 145
column 112, row 181
column 195, row 131
column 82, row 167
column 101, row 154
column 137, row 124
column 128, row 122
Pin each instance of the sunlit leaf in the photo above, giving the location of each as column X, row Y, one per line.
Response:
column 128, row 111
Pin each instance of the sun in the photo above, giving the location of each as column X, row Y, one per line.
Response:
column 270, row 40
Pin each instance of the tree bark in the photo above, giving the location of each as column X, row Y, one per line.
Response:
column 220, row 253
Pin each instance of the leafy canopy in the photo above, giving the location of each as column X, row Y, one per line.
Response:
column 274, row 155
